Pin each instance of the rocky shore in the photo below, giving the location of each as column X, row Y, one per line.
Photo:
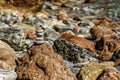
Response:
column 59, row 40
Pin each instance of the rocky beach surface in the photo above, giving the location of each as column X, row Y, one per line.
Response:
column 59, row 40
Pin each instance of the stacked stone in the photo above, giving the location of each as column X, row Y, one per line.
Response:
column 40, row 36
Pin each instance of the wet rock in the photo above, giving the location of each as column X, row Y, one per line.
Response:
column 84, row 43
column 110, row 74
column 42, row 63
column 72, row 52
column 14, row 36
column 107, row 42
column 92, row 70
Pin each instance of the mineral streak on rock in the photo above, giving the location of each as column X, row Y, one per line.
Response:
column 72, row 52
column 41, row 63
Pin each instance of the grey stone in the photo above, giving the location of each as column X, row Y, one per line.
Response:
column 7, row 74
column 72, row 52
column 14, row 36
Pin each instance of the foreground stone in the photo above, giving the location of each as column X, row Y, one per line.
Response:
column 41, row 63
column 92, row 70
column 7, row 62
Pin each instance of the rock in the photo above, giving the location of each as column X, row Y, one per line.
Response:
column 41, row 63
column 40, row 36
column 7, row 74
column 84, row 43
column 7, row 62
column 92, row 70
column 107, row 42
column 90, row 1
column 72, row 66
column 29, row 31
column 51, row 34
column 61, row 17
column 110, row 74
column 27, row 3
column 9, row 16
column 2, row 2
column 72, row 52
column 59, row 2
column 116, row 55
column 15, row 38
column 7, row 56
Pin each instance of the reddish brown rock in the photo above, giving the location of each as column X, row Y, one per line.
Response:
column 41, row 63
column 69, row 36
column 30, row 33
column 110, row 74
column 7, row 56
column 61, row 17
column 106, row 42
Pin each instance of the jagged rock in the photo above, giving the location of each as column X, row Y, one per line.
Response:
column 14, row 36
column 72, row 52
column 107, row 42
column 84, row 43
column 92, row 70
column 110, row 74
column 41, row 63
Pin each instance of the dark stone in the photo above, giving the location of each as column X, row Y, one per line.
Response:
column 72, row 52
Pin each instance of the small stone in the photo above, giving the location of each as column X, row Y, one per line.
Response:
column 61, row 17
column 39, row 42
